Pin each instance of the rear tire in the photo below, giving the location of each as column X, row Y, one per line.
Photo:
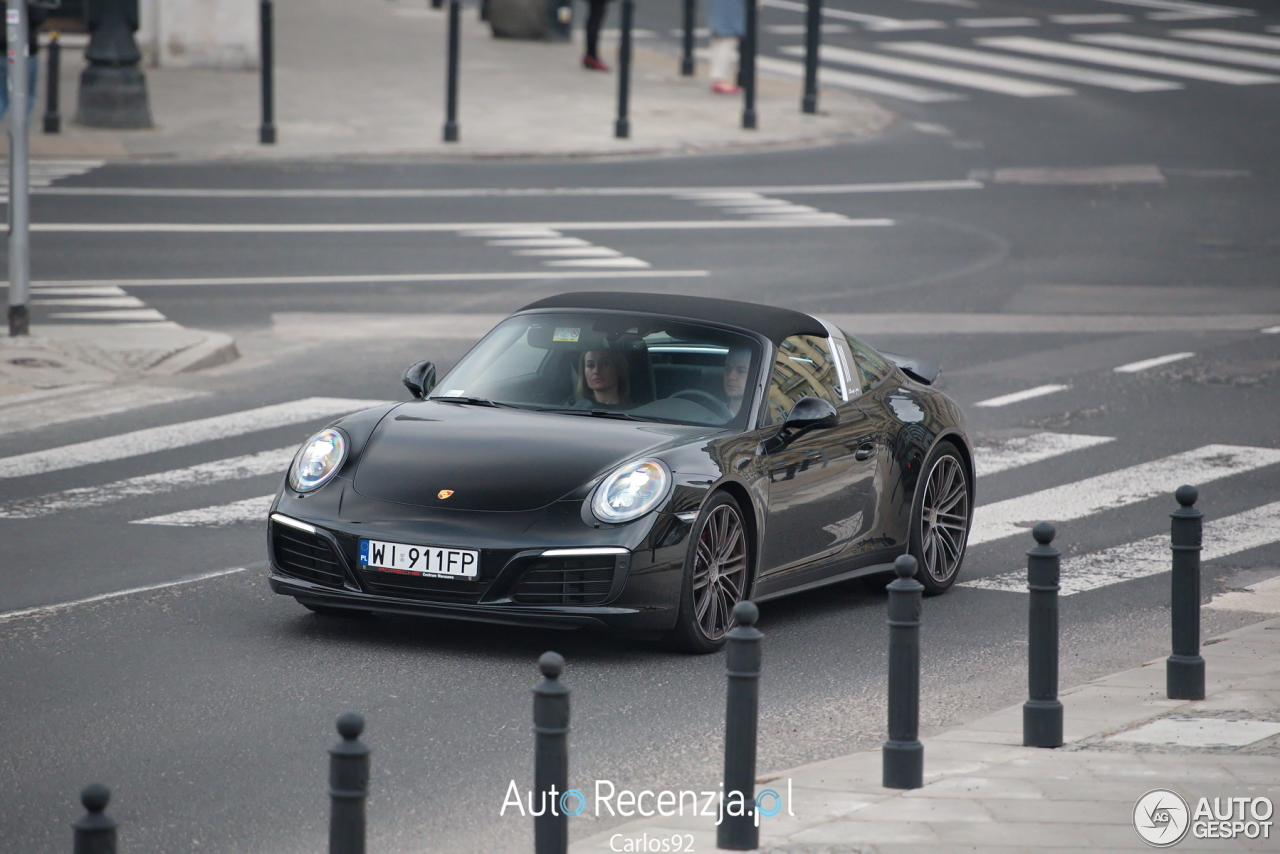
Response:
column 330, row 611
column 717, row 569
column 941, row 514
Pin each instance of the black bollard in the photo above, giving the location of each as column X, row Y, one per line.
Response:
column 437, row 4
column 622, row 127
column 348, row 787
column 686, row 53
column 1184, row 670
column 551, row 757
column 95, row 831
column 748, row 68
column 742, row 712
column 267, row 132
column 1042, row 713
column 52, row 118
column 812, row 39
column 482, row 10
column 451, row 84
column 903, row 753
column 113, row 88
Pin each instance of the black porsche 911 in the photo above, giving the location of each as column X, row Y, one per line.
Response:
column 639, row 462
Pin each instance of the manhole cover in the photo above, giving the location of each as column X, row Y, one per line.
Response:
column 34, row 362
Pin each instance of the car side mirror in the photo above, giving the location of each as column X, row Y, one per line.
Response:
column 809, row 413
column 420, row 378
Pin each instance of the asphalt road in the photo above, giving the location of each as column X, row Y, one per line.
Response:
column 207, row 706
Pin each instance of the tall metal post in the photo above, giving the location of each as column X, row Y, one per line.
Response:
column 52, row 68
column 686, row 53
column 451, row 83
column 95, row 831
column 1184, row 670
column 903, row 754
column 348, row 787
column 113, row 89
column 267, row 132
column 738, row 831
column 1042, row 712
column 622, row 126
column 748, row 62
column 551, row 756
column 19, row 210
column 812, row 39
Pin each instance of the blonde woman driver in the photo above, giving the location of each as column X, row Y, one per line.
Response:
column 603, row 379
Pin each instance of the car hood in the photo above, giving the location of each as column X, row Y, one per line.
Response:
column 497, row 459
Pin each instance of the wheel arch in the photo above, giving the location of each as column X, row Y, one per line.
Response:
column 742, row 496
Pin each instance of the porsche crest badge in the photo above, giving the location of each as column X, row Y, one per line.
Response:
column 444, row 493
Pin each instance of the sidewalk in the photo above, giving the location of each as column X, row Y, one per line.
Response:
column 366, row 78
column 985, row 792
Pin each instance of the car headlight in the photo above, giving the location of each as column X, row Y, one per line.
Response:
column 631, row 491
column 318, row 460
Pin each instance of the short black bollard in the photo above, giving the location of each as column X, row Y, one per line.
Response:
column 1042, row 712
column 52, row 118
column 451, row 82
column 748, row 63
column 348, row 787
column 686, row 42
column 622, row 127
column 551, row 757
column 903, row 754
column 812, row 39
column 267, row 132
column 482, row 10
column 95, row 831
column 740, row 832
column 1184, row 670
column 437, row 4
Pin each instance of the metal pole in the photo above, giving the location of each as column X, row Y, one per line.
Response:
column 52, row 118
column 95, row 831
column 348, row 787
column 267, row 133
column 482, row 10
column 1184, row 670
column 903, row 754
column 686, row 56
column 812, row 38
column 1042, row 713
column 622, row 127
column 437, row 4
column 740, row 831
column 551, row 757
column 19, row 211
column 451, row 85
column 113, row 89
column 749, row 69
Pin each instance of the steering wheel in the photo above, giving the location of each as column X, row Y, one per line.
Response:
column 706, row 400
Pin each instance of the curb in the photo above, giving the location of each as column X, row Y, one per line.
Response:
column 217, row 348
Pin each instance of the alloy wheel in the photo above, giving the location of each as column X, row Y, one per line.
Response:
column 720, row 571
column 944, row 518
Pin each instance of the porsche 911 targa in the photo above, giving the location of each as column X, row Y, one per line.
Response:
column 637, row 462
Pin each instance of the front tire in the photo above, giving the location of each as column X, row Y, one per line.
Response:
column 717, row 569
column 942, row 512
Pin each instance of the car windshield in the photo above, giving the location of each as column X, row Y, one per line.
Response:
column 611, row 366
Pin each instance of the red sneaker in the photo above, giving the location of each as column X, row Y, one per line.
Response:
column 594, row 63
column 724, row 87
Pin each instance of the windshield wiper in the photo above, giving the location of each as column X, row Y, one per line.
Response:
column 478, row 401
column 598, row 413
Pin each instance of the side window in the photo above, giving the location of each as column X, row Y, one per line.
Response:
column 804, row 368
column 871, row 365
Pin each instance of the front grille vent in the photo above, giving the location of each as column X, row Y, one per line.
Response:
column 566, row 581
column 304, row 555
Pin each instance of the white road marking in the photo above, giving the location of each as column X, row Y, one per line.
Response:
column 99, row 290
column 859, row 82
column 180, row 435
column 204, row 474
column 62, row 606
column 475, row 229
column 1222, row 538
column 1196, row 51
column 773, row 210
column 1115, row 489
column 877, row 22
column 1134, row 367
column 1179, row 7
column 1270, row 330
column 103, row 302
column 1123, row 59
column 540, row 241
column 625, row 261
column 1025, row 450
column 1105, row 18
column 1035, row 67
column 84, row 402
column 1019, row 396
column 945, row 74
column 1231, row 37
column 249, row 510
column 413, row 277
column 130, row 314
column 998, row 22
column 579, row 251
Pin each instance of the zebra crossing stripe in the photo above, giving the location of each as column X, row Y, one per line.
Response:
column 1035, row 67
column 180, row 435
column 1115, row 489
column 1222, row 538
column 1232, row 37
column 1179, row 7
column 1213, row 53
column 941, row 73
column 204, row 474
column 218, row 516
column 859, row 82
column 1124, row 59
column 84, row 402
column 1025, row 450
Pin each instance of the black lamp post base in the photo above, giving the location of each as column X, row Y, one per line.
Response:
column 1184, row 675
column 1042, row 723
column 113, row 97
column 902, row 764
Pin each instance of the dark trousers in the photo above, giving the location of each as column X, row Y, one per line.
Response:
column 595, row 20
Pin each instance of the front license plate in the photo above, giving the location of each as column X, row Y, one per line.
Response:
column 419, row 560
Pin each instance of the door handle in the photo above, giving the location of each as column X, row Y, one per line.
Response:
column 865, row 450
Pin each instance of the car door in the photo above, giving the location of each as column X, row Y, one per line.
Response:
column 821, row 484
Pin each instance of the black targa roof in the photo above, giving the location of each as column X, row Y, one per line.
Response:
column 769, row 321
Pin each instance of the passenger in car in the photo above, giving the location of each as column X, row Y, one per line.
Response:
column 737, row 364
column 603, row 379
